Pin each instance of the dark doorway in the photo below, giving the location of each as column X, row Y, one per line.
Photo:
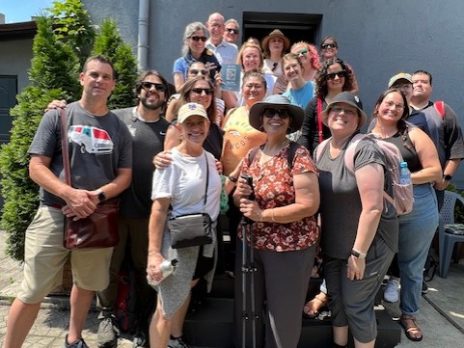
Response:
column 8, row 91
column 296, row 26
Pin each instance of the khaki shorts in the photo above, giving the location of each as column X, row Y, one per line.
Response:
column 45, row 256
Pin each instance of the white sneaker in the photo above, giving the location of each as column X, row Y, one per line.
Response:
column 177, row 343
column 392, row 291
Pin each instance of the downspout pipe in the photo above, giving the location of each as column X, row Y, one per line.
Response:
column 143, row 25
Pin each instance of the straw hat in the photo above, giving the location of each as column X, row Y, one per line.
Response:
column 275, row 33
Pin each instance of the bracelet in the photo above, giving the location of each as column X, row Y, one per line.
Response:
column 233, row 179
column 273, row 216
column 358, row 254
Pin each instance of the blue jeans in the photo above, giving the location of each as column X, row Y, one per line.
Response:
column 416, row 233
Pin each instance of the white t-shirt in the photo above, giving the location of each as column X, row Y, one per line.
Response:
column 184, row 182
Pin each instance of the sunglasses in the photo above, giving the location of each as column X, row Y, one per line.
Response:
column 302, row 52
column 333, row 75
column 199, row 38
column 208, row 91
column 232, row 31
column 271, row 112
column 329, row 45
column 148, row 85
column 198, row 72
column 338, row 110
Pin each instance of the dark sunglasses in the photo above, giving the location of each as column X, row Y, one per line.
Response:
column 302, row 52
column 271, row 112
column 333, row 75
column 198, row 38
column 208, row 91
column 198, row 72
column 232, row 31
column 148, row 85
column 329, row 45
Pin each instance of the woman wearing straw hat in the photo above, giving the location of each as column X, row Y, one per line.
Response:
column 281, row 221
column 275, row 45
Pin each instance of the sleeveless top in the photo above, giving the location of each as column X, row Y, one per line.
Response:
column 407, row 150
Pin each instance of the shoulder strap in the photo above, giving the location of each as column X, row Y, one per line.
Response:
column 292, row 147
column 64, row 146
column 207, row 179
column 252, row 155
column 349, row 152
column 319, row 120
column 439, row 106
column 321, row 148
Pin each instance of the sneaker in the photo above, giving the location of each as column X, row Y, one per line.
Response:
column 392, row 291
column 140, row 339
column 177, row 343
column 108, row 331
column 80, row 343
column 425, row 288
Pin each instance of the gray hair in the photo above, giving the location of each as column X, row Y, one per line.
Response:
column 232, row 20
column 189, row 30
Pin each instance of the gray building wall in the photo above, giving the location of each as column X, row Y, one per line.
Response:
column 15, row 59
column 377, row 37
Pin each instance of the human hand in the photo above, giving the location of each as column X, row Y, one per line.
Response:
column 56, row 104
column 154, row 273
column 79, row 203
column 355, row 268
column 242, row 188
column 219, row 166
column 162, row 159
column 441, row 185
column 251, row 209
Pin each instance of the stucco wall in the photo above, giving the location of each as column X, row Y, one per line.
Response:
column 378, row 38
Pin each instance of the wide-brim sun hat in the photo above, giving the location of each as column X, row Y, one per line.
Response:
column 275, row 33
column 191, row 109
column 276, row 101
column 346, row 98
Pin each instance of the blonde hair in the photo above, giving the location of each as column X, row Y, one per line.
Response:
column 250, row 44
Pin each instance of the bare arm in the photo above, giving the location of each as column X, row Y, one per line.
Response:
column 172, row 138
column 158, row 216
column 428, row 156
column 171, row 110
column 370, row 182
column 451, row 167
column 178, row 80
column 306, row 203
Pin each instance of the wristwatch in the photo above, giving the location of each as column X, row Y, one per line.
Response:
column 447, row 177
column 357, row 254
column 101, row 196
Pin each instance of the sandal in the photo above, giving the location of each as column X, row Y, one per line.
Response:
column 311, row 308
column 411, row 329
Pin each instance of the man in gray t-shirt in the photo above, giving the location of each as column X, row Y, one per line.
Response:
column 100, row 152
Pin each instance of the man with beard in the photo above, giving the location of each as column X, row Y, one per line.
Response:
column 148, row 130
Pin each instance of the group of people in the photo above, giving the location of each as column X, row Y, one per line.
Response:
column 302, row 198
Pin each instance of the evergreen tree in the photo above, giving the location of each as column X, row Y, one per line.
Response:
column 53, row 75
column 110, row 44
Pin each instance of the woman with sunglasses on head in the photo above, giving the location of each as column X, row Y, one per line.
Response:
column 359, row 229
column 281, row 222
column 197, row 69
column 194, row 49
column 329, row 50
column 309, row 58
column 418, row 227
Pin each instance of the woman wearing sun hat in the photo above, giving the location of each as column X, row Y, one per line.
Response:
column 359, row 235
column 274, row 45
column 282, row 221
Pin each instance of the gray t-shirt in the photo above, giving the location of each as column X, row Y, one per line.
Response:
column 341, row 207
column 148, row 140
column 98, row 147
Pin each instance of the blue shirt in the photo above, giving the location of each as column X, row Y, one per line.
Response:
column 182, row 64
column 301, row 96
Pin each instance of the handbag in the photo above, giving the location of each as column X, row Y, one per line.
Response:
column 192, row 229
column 98, row 230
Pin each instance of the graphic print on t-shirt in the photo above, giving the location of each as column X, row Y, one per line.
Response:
column 91, row 139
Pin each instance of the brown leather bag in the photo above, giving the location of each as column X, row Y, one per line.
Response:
column 98, row 230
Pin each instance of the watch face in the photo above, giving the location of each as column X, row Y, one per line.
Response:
column 101, row 197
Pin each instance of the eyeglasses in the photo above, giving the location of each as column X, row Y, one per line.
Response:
column 333, row 75
column 198, row 38
column 329, row 45
column 146, row 85
column 208, row 91
column 397, row 106
column 232, row 31
column 338, row 110
column 198, row 72
column 302, row 52
column 271, row 112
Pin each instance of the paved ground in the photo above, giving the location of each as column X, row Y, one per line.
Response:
column 441, row 316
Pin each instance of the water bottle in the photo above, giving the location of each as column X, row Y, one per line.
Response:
column 405, row 175
column 167, row 268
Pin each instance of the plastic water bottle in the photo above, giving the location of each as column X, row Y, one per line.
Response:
column 405, row 175
column 167, row 268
